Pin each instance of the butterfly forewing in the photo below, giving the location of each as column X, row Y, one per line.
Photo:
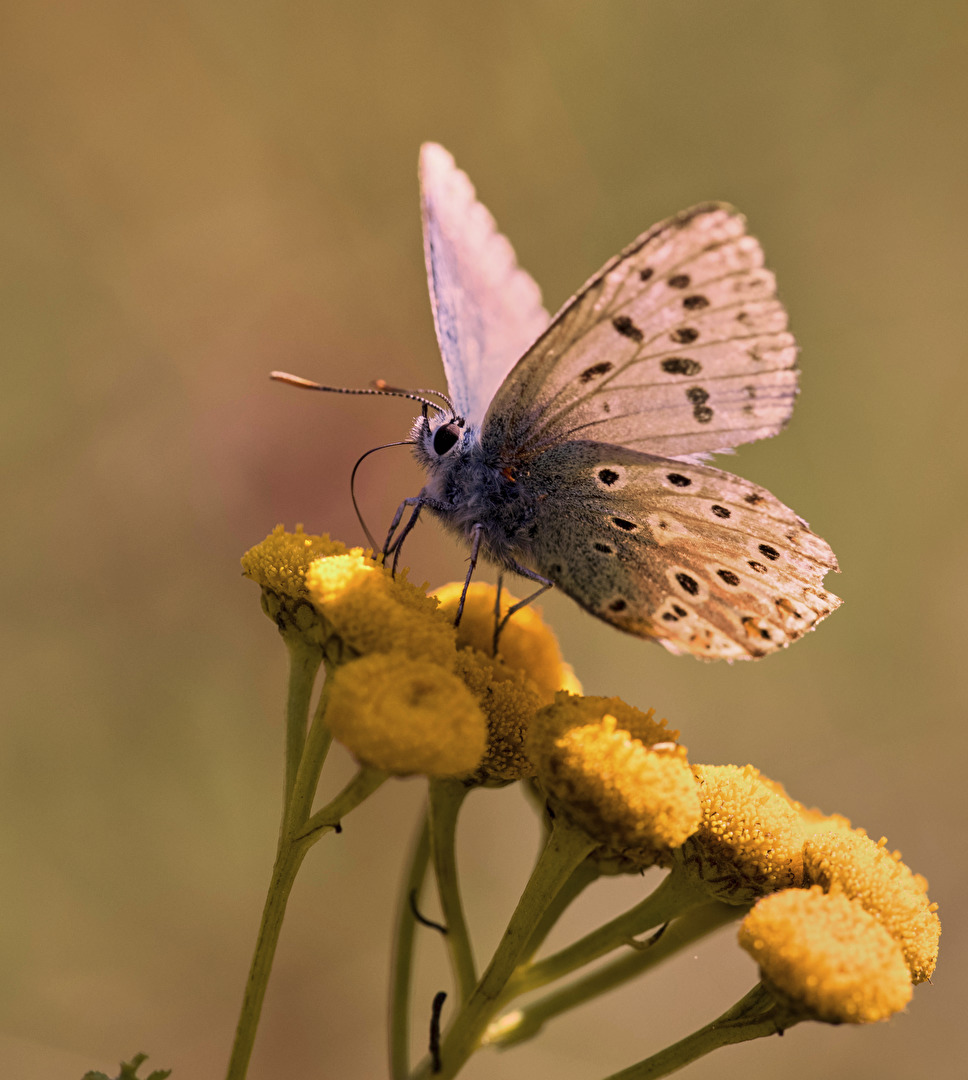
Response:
column 487, row 310
column 704, row 561
column 677, row 346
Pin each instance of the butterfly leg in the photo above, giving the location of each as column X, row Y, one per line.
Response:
column 392, row 545
column 545, row 584
column 471, row 565
column 497, row 611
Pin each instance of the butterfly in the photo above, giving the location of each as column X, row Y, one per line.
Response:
column 572, row 449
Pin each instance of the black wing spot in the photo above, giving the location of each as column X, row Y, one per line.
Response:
column 596, row 371
column 624, row 325
column 607, row 476
column 669, row 617
column 688, row 583
column 769, row 552
column 695, row 303
column 681, row 365
column 628, row 526
column 720, row 511
column 701, row 412
column 646, row 273
column 680, row 611
column 757, row 566
column 753, row 498
column 684, row 335
column 617, row 605
column 678, row 480
column 729, row 577
column 679, row 281
column 604, row 549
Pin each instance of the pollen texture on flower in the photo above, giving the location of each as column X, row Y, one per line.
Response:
column 615, row 773
column 372, row 611
column 279, row 564
column 406, row 716
column 750, row 840
column 509, row 701
column 824, row 957
column 876, row 878
column 527, row 643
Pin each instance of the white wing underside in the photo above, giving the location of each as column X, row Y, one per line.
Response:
column 678, row 346
column 487, row 310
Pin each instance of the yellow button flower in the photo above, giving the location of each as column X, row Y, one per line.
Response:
column 825, row 958
column 527, row 642
column 882, row 884
column 372, row 611
column 750, row 841
column 616, row 773
column 279, row 564
column 405, row 716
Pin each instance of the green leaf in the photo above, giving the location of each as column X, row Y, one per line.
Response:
column 129, row 1071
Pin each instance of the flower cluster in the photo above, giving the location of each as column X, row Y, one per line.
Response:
column 840, row 928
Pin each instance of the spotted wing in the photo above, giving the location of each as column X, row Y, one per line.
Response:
column 706, row 562
column 677, row 346
column 487, row 310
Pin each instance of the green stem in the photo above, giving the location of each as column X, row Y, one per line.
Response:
column 524, row 1023
column 753, row 1017
column 287, row 864
column 677, row 893
column 585, row 873
column 402, row 969
column 446, row 799
column 310, row 764
column 305, row 755
column 328, row 819
column 564, row 851
column 304, row 661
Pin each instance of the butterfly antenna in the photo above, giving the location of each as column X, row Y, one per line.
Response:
column 378, row 388
column 359, row 515
column 382, row 384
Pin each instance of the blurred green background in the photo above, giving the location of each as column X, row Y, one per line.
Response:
column 196, row 193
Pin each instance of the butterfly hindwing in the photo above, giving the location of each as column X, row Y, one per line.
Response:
column 677, row 346
column 487, row 310
column 704, row 561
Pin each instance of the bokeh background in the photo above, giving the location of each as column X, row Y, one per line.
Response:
column 195, row 193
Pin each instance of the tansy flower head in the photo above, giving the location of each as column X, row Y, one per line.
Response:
column 825, row 958
column 372, row 611
column 527, row 643
column 750, row 841
column 279, row 565
column 406, row 716
column 615, row 773
column 509, row 702
column 877, row 880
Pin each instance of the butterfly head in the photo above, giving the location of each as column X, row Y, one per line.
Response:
column 438, row 438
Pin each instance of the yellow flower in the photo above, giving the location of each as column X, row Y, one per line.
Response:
column 824, row 957
column 615, row 773
column 527, row 642
column 750, row 841
column 279, row 565
column 509, row 702
column 406, row 716
column 373, row 612
column 877, row 879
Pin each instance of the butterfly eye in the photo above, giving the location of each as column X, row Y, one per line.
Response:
column 445, row 437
